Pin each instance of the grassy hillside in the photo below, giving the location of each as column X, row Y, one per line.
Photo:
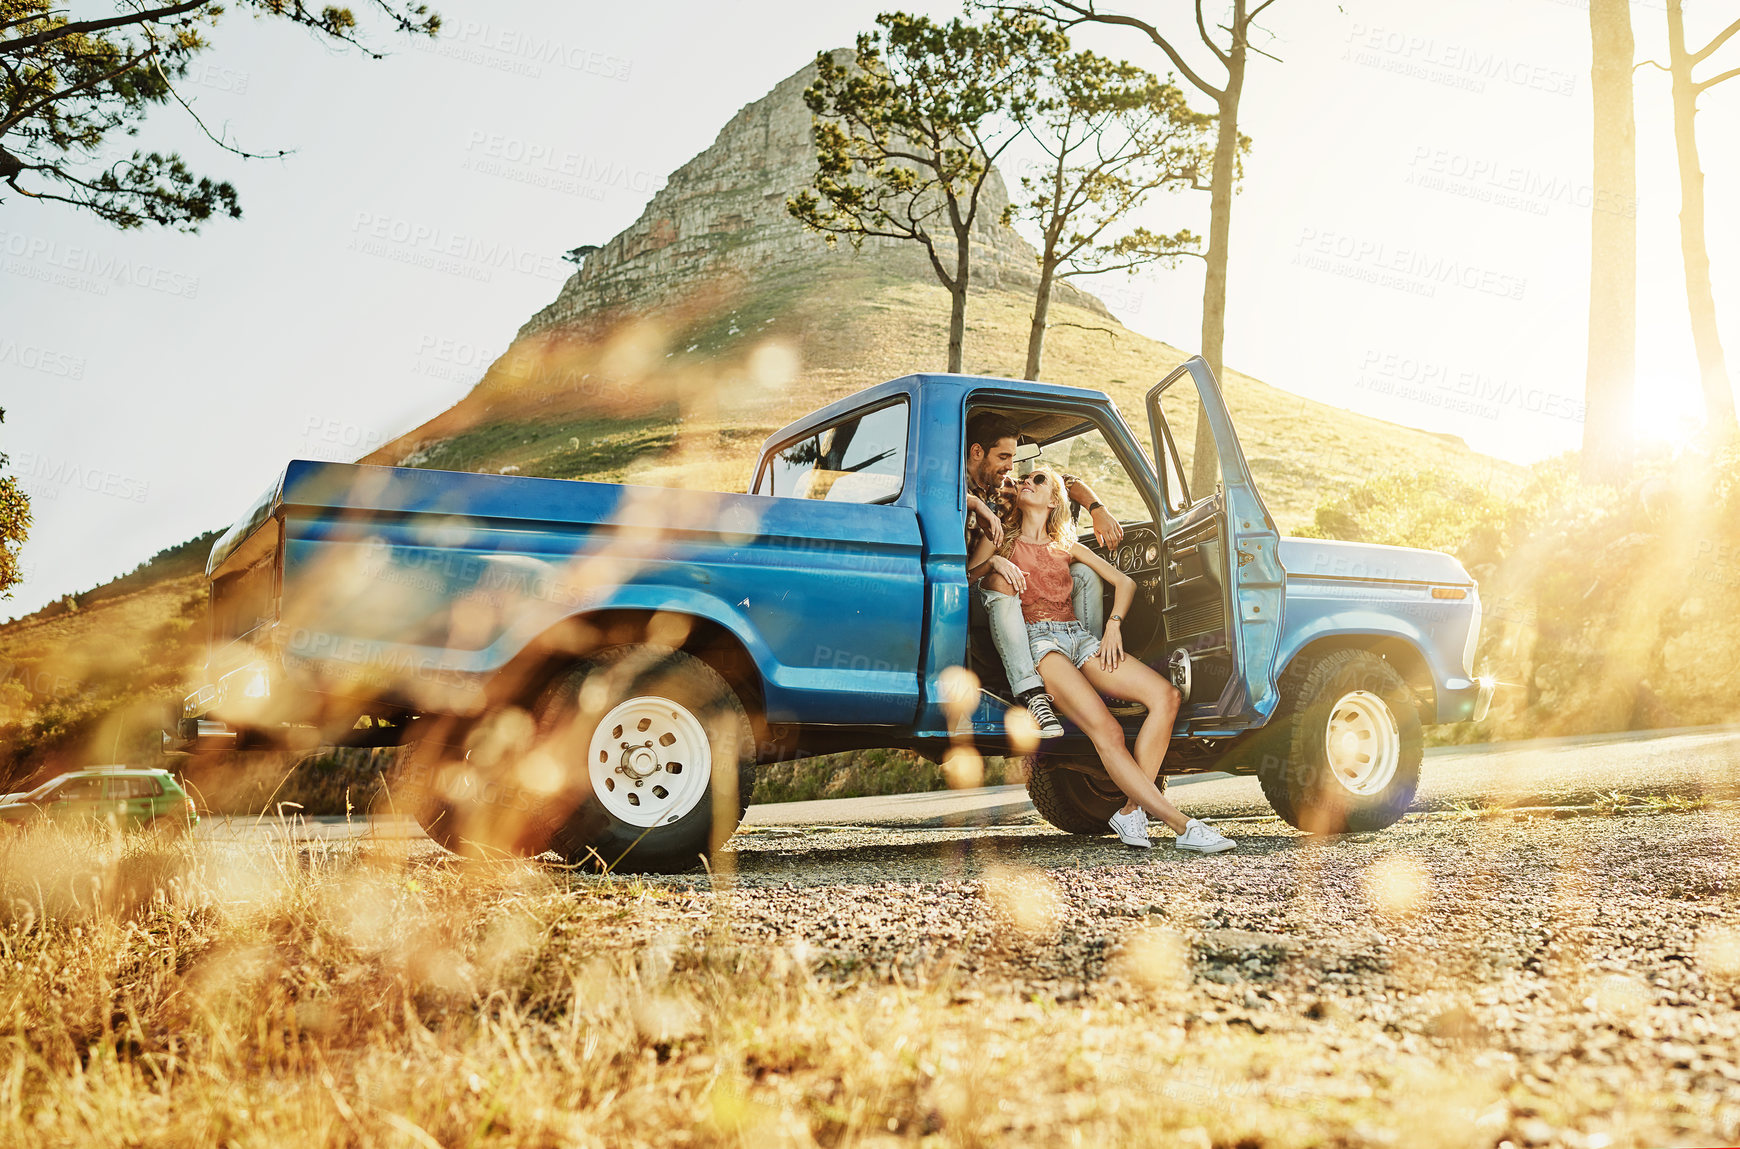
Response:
column 96, row 684
column 685, row 398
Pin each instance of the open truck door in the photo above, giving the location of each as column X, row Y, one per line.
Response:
column 1222, row 580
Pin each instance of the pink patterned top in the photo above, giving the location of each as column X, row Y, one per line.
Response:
column 1049, row 588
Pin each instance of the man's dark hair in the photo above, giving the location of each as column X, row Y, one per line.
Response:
column 988, row 428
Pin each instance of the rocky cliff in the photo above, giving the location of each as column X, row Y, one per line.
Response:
column 721, row 219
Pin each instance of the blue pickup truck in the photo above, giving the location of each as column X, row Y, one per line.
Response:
column 597, row 669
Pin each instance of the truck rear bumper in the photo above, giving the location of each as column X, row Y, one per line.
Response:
column 198, row 736
column 251, row 708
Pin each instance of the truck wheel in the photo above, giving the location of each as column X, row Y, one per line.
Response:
column 639, row 758
column 1344, row 755
column 432, row 765
column 662, row 751
column 1074, row 802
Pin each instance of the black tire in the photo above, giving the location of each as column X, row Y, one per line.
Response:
column 1074, row 802
column 1292, row 756
column 518, row 782
column 434, row 752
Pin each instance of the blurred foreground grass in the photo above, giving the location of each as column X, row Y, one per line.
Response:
column 191, row 992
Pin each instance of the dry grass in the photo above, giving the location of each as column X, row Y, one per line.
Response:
column 181, row 993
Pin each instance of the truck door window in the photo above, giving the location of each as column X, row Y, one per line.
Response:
column 861, row 459
column 1191, row 468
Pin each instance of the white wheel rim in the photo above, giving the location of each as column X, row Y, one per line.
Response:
column 650, row 761
column 1364, row 745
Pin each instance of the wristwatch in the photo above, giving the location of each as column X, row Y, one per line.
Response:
column 1094, row 506
column 1116, row 618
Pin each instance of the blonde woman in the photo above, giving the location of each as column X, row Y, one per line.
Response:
column 1078, row 668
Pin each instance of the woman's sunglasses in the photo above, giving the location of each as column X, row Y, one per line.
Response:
column 1037, row 478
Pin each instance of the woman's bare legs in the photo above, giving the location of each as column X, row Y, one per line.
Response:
column 1080, row 702
column 1136, row 682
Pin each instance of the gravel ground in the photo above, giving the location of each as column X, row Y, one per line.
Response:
column 1588, row 964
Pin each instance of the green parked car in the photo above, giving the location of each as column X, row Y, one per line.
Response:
column 125, row 796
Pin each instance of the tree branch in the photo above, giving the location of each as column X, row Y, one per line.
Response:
column 1089, row 14
column 1129, row 265
column 235, row 151
column 1722, row 37
column 1202, row 30
column 1113, row 335
column 105, row 211
column 1716, row 79
column 7, row 125
column 1253, row 48
column 46, row 14
column 14, row 47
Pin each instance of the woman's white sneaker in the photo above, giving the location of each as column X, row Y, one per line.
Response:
column 1132, row 828
column 1200, row 839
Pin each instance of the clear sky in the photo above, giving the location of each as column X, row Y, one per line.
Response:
column 1411, row 241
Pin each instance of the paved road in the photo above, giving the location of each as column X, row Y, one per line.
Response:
column 1546, row 772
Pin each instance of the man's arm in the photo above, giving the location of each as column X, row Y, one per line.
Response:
column 1107, row 529
column 993, row 526
column 983, row 560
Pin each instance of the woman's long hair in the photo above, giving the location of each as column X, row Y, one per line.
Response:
column 1059, row 530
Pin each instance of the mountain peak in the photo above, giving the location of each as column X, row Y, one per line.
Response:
column 721, row 220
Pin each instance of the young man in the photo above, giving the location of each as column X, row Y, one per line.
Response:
column 991, row 442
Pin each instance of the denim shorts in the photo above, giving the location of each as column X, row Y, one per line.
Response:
column 1070, row 639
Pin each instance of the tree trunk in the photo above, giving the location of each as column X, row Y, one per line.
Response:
column 1700, row 299
column 958, row 302
column 1611, row 370
column 1220, row 196
column 1041, row 309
